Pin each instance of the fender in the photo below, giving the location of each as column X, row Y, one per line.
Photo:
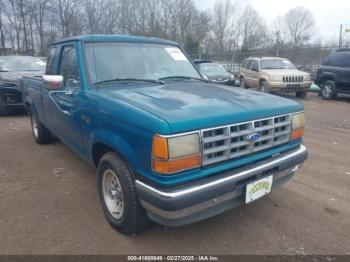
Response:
column 330, row 75
column 113, row 140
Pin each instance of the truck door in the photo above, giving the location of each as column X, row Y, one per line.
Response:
column 67, row 103
column 344, row 73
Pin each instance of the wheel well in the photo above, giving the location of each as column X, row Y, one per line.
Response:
column 98, row 150
column 326, row 78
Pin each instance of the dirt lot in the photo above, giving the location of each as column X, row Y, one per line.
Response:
column 48, row 212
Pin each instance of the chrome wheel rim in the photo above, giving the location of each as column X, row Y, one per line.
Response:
column 327, row 90
column 113, row 194
column 35, row 126
column 242, row 83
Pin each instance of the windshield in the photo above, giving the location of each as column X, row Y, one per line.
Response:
column 108, row 61
column 276, row 64
column 21, row 63
column 212, row 69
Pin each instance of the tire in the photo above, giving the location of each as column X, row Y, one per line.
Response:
column 328, row 90
column 264, row 86
column 301, row 94
column 41, row 134
column 3, row 110
column 242, row 83
column 117, row 192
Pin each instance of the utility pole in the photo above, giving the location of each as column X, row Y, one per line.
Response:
column 123, row 17
column 277, row 42
column 340, row 36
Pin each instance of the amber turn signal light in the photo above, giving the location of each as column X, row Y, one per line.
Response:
column 176, row 165
column 160, row 147
column 297, row 133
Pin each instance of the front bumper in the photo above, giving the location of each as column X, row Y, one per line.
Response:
column 289, row 87
column 11, row 97
column 214, row 195
column 224, row 82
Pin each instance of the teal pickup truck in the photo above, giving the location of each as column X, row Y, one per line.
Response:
column 168, row 145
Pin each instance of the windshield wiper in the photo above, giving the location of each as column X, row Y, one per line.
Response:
column 130, row 80
column 183, row 77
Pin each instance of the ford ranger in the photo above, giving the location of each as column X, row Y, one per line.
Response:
column 167, row 144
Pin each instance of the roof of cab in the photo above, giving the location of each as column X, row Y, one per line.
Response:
column 117, row 38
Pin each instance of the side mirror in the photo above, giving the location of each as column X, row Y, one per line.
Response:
column 52, row 82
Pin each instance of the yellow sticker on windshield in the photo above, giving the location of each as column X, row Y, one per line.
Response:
column 176, row 53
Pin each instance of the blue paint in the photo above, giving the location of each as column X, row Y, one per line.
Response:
column 127, row 117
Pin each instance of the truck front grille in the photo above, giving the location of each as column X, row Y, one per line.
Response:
column 227, row 142
column 293, row 79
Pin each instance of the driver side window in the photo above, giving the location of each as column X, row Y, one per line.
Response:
column 69, row 67
column 255, row 66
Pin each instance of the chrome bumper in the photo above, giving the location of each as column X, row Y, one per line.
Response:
column 288, row 87
column 216, row 194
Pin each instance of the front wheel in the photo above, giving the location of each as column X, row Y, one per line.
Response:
column 40, row 133
column 117, row 191
column 328, row 90
column 301, row 94
column 264, row 86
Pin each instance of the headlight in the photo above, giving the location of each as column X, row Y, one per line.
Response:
column 298, row 123
column 276, row 78
column 175, row 153
column 232, row 77
column 307, row 77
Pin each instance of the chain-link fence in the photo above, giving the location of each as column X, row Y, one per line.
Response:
column 307, row 59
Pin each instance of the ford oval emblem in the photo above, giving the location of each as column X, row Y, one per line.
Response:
column 253, row 137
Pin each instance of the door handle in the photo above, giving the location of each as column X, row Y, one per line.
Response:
column 69, row 92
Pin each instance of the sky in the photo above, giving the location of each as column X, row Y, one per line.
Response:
column 328, row 14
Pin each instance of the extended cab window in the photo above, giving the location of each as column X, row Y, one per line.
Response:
column 51, row 60
column 69, row 68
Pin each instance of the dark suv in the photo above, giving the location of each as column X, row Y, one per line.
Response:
column 334, row 74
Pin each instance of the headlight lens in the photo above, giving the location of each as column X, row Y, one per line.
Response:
column 232, row 77
column 276, row 78
column 175, row 154
column 307, row 77
column 183, row 145
column 298, row 123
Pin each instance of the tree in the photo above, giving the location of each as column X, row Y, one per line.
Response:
column 298, row 26
column 2, row 36
column 254, row 32
column 224, row 25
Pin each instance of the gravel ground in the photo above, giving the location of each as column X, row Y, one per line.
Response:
column 49, row 204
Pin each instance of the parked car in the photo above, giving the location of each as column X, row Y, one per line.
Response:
column 333, row 76
column 274, row 74
column 215, row 72
column 12, row 69
column 168, row 145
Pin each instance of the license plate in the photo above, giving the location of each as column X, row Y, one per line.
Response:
column 294, row 86
column 258, row 189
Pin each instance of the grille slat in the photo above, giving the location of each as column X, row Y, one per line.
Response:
column 224, row 143
column 292, row 79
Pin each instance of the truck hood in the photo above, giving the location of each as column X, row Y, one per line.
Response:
column 284, row 72
column 190, row 105
column 15, row 77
